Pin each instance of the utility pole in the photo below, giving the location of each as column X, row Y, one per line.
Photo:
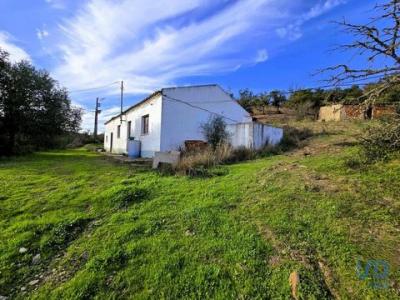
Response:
column 122, row 98
column 96, row 113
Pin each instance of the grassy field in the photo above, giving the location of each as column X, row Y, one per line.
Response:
column 108, row 231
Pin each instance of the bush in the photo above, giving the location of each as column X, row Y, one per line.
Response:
column 242, row 154
column 292, row 137
column 215, row 131
column 381, row 141
column 194, row 161
column 200, row 163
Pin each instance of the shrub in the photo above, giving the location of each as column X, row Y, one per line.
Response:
column 199, row 163
column 242, row 154
column 292, row 137
column 215, row 131
column 306, row 110
column 196, row 163
column 190, row 161
column 381, row 141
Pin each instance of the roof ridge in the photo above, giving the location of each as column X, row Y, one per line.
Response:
column 189, row 86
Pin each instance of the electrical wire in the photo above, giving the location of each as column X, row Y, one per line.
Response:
column 198, row 107
column 346, row 84
column 94, row 88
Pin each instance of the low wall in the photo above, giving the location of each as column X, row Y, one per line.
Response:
column 381, row 111
column 353, row 112
column 254, row 135
column 240, row 135
column 340, row 112
column 330, row 113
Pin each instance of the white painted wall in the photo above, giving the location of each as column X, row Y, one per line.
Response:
column 150, row 143
column 254, row 135
column 241, row 135
column 182, row 122
column 264, row 134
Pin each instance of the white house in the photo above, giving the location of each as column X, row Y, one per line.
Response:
column 167, row 118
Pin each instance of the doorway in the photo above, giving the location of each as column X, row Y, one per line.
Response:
column 111, row 141
column 368, row 113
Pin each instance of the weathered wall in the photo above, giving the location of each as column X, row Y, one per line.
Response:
column 330, row 113
column 241, row 134
column 254, row 135
column 339, row 112
column 381, row 111
column 352, row 112
column 264, row 134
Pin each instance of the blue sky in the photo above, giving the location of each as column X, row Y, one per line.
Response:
column 256, row 44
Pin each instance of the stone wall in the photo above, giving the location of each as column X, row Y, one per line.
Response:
column 338, row 112
column 352, row 112
column 381, row 111
column 330, row 113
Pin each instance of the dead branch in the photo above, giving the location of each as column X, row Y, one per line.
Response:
column 379, row 38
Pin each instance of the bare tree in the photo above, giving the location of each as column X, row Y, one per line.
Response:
column 377, row 39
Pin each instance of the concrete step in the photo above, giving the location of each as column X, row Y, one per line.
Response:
column 136, row 162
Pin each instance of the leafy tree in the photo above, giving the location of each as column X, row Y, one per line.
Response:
column 34, row 110
column 348, row 96
column 263, row 101
column 307, row 102
column 247, row 99
column 277, row 98
column 214, row 131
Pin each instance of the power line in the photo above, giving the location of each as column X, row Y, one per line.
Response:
column 343, row 85
column 94, row 88
column 198, row 107
column 346, row 84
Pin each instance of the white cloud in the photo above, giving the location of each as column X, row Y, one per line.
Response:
column 322, row 7
column 57, row 4
column 293, row 31
column 7, row 43
column 138, row 42
column 41, row 33
column 262, row 55
column 150, row 44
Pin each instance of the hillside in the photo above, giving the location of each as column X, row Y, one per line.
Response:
column 74, row 225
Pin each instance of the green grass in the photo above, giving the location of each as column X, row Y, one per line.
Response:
column 108, row 231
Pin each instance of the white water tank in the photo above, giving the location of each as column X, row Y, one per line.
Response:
column 133, row 148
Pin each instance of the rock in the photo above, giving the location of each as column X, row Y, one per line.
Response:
column 189, row 233
column 23, row 288
column 3, row 297
column 294, row 280
column 36, row 259
column 22, row 250
column 34, row 282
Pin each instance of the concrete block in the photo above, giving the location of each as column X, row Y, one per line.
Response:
column 171, row 157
